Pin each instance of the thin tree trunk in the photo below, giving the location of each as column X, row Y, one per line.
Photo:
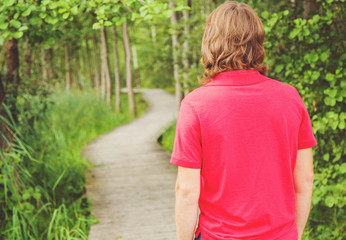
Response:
column 9, row 88
column 185, row 56
column 89, row 60
column 12, row 75
column 174, row 21
column 105, row 76
column 27, row 58
column 116, row 69
column 131, row 97
column 96, row 65
column 153, row 33
column 135, row 66
column 310, row 7
column 44, row 64
column 77, row 67
column 67, row 68
column 49, row 61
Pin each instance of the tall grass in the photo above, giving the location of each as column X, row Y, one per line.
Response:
column 42, row 188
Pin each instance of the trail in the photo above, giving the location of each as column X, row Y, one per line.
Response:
column 133, row 183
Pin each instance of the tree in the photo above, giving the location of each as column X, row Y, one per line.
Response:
column 127, row 50
column 105, row 74
column 116, row 69
column 175, row 45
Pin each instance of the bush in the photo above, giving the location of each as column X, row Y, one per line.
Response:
column 42, row 189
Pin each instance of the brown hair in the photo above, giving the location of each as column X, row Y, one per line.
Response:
column 233, row 40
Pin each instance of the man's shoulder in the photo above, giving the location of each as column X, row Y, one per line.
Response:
column 280, row 87
column 196, row 95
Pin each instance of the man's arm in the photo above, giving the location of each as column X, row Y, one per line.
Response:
column 303, row 183
column 187, row 191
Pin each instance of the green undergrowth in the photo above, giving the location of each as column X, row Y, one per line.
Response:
column 42, row 187
column 166, row 139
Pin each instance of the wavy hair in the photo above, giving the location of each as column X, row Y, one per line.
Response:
column 233, row 40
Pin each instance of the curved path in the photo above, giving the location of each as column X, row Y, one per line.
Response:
column 132, row 184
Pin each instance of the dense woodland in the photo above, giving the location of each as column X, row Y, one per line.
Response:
column 63, row 65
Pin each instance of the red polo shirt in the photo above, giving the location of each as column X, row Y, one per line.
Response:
column 243, row 131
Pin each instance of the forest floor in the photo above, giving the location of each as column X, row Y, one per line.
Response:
column 132, row 184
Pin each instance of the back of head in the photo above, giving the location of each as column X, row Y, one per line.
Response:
column 233, row 40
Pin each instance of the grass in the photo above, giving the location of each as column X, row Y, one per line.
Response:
column 42, row 188
column 166, row 139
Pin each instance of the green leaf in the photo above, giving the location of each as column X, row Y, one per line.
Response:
column 330, row 77
column 265, row 15
column 26, row 196
column 9, row 2
column 35, row 21
column 278, row 68
column 43, row 15
column 343, row 168
column 326, row 157
column 36, row 195
column 16, row 15
column 3, row 26
column 17, row 35
column 15, row 23
column 96, row 26
column 26, row 12
column 108, row 23
column 74, row 10
column 329, row 201
column 324, row 56
column 65, row 15
column 294, row 33
column 315, row 75
column 23, row 28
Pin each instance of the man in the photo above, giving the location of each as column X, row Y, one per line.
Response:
column 243, row 142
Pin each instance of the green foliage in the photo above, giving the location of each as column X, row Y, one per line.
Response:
column 166, row 139
column 42, row 189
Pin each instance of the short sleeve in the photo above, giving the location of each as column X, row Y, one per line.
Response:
column 187, row 148
column 306, row 138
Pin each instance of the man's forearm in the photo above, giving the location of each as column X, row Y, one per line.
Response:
column 186, row 213
column 303, row 205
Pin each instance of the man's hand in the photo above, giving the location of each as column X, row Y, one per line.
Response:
column 186, row 203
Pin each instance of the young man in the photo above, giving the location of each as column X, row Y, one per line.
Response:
column 243, row 141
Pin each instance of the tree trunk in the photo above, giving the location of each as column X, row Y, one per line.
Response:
column 185, row 56
column 12, row 75
column 96, row 65
column 49, row 61
column 135, row 66
column 116, row 69
column 67, row 68
column 174, row 21
column 153, row 33
column 131, row 97
column 89, row 60
column 44, row 64
column 77, row 71
column 105, row 74
column 27, row 58
column 9, row 88
column 310, row 7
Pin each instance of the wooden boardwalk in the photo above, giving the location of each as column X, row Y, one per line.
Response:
column 133, row 182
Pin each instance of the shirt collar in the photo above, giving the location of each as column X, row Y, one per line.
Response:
column 236, row 78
